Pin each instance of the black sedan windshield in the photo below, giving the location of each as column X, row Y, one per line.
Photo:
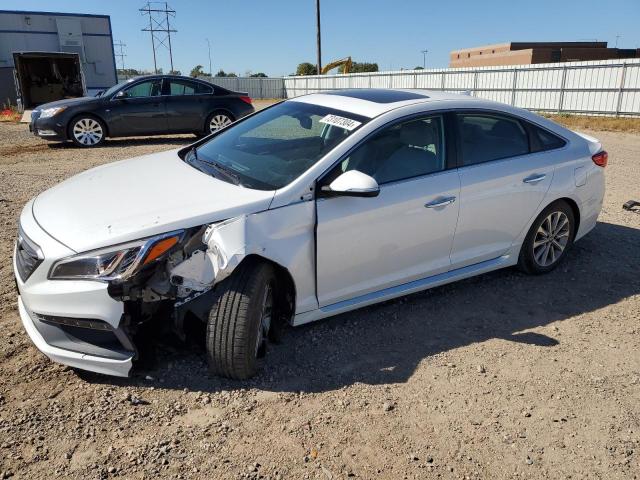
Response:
column 274, row 147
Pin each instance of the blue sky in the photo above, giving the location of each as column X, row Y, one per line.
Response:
column 274, row 36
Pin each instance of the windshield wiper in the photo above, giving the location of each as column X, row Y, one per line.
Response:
column 227, row 172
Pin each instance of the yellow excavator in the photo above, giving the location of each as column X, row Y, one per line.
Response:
column 346, row 64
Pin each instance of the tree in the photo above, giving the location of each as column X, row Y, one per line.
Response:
column 306, row 68
column 128, row 72
column 196, row 71
column 175, row 72
column 419, row 68
column 231, row 74
column 363, row 67
column 258, row 75
column 221, row 73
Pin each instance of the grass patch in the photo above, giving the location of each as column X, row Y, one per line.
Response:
column 610, row 124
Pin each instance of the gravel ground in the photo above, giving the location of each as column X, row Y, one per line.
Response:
column 500, row 376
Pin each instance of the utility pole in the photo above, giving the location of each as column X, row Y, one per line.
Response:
column 617, row 38
column 318, row 42
column 120, row 52
column 424, row 58
column 160, row 28
column 209, row 47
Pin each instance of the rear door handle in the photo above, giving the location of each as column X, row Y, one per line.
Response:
column 535, row 178
column 440, row 202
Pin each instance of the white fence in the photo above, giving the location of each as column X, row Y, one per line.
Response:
column 607, row 87
column 256, row 87
column 610, row 87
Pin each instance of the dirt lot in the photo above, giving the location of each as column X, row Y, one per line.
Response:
column 501, row 376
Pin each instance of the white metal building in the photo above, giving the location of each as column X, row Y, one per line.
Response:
column 38, row 33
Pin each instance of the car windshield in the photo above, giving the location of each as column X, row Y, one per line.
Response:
column 274, row 147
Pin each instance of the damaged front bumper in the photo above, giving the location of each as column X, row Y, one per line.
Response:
column 117, row 362
column 75, row 323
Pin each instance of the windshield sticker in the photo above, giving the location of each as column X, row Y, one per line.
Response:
column 341, row 122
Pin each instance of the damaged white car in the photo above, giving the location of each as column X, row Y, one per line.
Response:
column 310, row 208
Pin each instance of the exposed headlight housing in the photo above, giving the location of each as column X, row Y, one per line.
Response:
column 50, row 112
column 117, row 263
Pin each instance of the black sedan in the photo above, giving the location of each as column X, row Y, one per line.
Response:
column 148, row 105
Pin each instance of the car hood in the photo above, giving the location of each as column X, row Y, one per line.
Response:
column 137, row 198
column 68, row 102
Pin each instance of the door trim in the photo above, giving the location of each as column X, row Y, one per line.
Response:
column 404, row 289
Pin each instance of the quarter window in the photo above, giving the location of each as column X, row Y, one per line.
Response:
column 546, row 140
column 486, row 137
column 150, row 88
column 401, row 151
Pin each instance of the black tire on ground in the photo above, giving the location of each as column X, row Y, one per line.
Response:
column 221, row 117
column 536, row 263
column 94, row 129
column 235, row 320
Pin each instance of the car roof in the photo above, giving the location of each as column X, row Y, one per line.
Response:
column 175, row 77
column 371, row 102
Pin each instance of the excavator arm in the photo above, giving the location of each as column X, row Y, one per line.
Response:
column 345, row 62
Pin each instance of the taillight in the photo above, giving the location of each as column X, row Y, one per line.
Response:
column 600, row 158
column 246, row 99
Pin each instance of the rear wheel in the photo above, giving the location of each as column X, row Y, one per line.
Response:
column 548, row 240
column 87, row 131
column 218, row 120
column 240, row 320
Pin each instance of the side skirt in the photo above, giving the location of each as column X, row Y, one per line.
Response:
column 405, row 289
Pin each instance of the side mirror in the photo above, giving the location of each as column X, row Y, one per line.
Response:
column 121, row 95
column 352, row 184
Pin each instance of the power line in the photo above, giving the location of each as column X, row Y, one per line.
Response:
column 120, row 53
column 159, row 27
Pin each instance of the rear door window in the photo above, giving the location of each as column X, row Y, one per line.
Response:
column 487, row 137
column 185, row 87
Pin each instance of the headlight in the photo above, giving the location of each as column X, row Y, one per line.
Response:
column 50, row 112
column 115, row 263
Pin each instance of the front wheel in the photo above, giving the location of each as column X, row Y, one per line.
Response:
column 218, row 120
column 240, row 320
column 87, row 131
column 548, row 240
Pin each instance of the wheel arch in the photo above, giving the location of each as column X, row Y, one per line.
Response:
column 286, row 284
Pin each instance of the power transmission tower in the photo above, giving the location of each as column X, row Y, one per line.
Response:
column 159, row 13
column 120, row 52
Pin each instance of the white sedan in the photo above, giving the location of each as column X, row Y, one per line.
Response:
column 310, row 208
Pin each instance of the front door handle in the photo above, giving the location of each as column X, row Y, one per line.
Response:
column 535, row 178
column 440, row 202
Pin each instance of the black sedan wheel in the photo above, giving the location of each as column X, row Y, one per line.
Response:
column 87, row 131
column 218, row 120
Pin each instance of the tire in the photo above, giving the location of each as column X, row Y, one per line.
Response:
column 217, row 120
column 236, row 331
column 541, row 252
column 87, row 131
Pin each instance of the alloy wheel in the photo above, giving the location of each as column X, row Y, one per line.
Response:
column 88, row 131
column 265, row 321
column 219, row 121
column 551, row 239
